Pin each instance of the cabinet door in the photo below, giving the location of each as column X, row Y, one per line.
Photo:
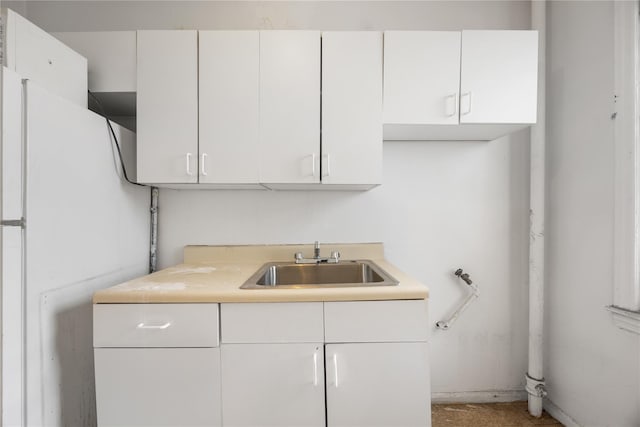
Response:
column 499, row 77
column 167, row 106
column 273, row 385
column 421, row 77
column 290, row 106
column 158, row 386
column 351, row 107
column 229, row 89
column 381, row 384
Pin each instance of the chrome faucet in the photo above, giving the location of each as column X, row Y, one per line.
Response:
column 317, row 259
column 316, row 250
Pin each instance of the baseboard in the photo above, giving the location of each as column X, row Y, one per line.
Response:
column 559, row 414
column 487, row 396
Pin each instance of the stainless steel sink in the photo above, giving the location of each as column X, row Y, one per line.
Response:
column 275, row 275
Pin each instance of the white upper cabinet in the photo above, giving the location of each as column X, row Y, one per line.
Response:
column 351, row 108
column 473, row 85
column 167, row 106
column 422, row 77
column 228, row 106
column 243, row 109
column 290, row 107
column 499, row 79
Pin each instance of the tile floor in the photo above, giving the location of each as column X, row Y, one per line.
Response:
column 487, row 415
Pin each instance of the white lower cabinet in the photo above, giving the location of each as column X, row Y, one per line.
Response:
column 273, row 385
column 335, row 364
column 157, row 364
column 158, row 386
column 378, row 384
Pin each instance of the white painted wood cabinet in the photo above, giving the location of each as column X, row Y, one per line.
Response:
column 198, row 113
column 273, row 385
column 278, row 364
column 243, row 108
column 289, row 107
column 421, row 77
column 229, row 77
column 376, row 371
column 378, row 384
column 351, row 108
column 157, row 365
column 273, row 363
column 499, row 77
column 167, row 106
column 377, row 365
column 469, row 85
column 158, row 386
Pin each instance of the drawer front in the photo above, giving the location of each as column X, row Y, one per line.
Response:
column 376, row 321
column 155, row 325
column 271, row 322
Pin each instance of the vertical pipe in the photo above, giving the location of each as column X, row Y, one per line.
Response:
column 535, row 377
column 153, row 246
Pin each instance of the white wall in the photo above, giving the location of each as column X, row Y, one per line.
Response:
column 592, row 367
column 443, row 205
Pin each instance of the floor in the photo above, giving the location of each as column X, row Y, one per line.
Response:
column 487, row 415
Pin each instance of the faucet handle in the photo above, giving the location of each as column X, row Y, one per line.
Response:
column 298, row 256
column 335, row 255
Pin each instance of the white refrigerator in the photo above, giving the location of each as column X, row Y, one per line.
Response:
column 70, row 226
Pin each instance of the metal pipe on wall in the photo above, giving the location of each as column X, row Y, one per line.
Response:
column 535, row 378
column 153, row 246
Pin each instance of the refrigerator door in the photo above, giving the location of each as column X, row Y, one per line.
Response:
column 84, row 229
column 12, row 327
column 11, row 145
column 12, row 250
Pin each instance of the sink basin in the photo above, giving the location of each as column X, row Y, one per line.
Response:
column 343, row 274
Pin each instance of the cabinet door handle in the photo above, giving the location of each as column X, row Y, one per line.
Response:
column 335, row 369
column 313, row 163
column 465, row 96
column 143, row 325
column 203, row 167
column 328, row 168
column 189, row 164
column 315, row 368
column 451, row 104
